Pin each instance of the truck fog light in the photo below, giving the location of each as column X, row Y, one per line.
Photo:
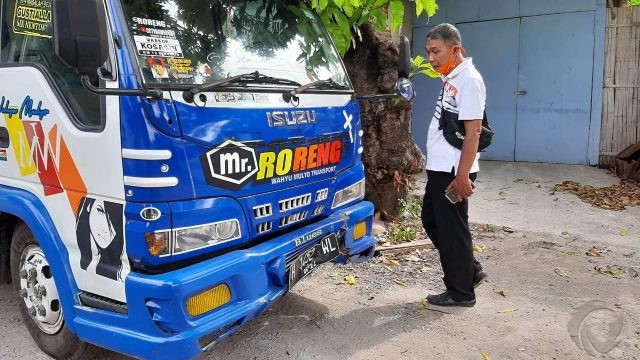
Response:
column 360, row 230
column 208, row 300
column 158, row 242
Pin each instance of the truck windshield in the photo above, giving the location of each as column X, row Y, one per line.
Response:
column 186, row 42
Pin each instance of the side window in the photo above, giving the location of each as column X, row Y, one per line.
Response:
column 27, row 37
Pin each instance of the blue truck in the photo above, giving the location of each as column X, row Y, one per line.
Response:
column 168, row 168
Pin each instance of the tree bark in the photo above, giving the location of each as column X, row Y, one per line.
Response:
column 389, row 153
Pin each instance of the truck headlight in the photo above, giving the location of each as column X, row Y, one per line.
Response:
column 196, row 237
column 349, row 194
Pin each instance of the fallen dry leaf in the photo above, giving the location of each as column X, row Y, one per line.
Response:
column 350, row 279
column 560, row 272
column 571, row 253
column 484, row 354
column 606, row 270
column 412, row 258
column 614, row 197
column 501, row 293
column 595, row 251
column 478, row 249
column 504, row 311
column 334, row 274
column 624, row 232
column 399, row 282
column 425, row 303
column 394, row 262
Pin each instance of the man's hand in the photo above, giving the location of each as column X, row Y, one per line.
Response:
column 462, row 185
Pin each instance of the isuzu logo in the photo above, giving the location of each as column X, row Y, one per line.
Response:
column 231, row 165
column 289, row 118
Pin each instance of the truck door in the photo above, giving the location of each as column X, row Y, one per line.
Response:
column 64, row 147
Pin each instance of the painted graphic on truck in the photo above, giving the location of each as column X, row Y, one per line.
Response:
column 100, row 240
column 32, row 140
column 44, row 154
column 231, row 165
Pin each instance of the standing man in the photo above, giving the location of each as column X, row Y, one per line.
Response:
column 448, row 168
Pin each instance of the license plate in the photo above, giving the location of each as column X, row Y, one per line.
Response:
column 325, row 250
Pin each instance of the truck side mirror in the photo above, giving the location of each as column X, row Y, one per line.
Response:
column 81, row 39
column 404, row 59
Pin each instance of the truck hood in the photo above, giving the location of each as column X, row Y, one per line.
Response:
column 240, row 144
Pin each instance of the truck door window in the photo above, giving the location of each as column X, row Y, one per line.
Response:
column 21, row 44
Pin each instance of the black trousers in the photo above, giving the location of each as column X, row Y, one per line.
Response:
column 447, row 225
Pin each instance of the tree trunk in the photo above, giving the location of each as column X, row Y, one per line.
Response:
column 389, row 153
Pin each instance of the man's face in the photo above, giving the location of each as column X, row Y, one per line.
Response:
column 438, row 52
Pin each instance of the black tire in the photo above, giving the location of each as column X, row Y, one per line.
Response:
column 61, row 345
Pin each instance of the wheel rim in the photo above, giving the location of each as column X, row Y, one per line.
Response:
column 38, row 290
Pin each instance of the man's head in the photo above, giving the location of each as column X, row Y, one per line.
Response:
column 444, row 48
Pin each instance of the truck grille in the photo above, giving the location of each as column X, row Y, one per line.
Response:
column 264, row 227
column 262, row 211
column 293, row 218
column 295, row 202
column 321, row 195
column 282, row 209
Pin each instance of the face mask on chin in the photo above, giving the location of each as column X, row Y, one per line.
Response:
column 446, row 68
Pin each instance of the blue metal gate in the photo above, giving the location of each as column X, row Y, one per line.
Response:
column 537, row 59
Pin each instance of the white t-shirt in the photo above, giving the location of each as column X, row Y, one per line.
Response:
column 464, row 94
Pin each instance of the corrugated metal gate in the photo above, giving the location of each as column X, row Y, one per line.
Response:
column 540, row 61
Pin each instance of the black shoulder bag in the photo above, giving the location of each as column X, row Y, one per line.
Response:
column 454, row 132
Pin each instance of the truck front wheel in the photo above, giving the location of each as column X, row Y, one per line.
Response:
column 40, row 304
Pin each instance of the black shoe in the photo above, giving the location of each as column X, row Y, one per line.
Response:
column 445, row 300
column 479, row 278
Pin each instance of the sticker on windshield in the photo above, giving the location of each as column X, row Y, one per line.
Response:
column 180, row 68
column 158, row 67
column 154, row 38
column 203, row 72
column 33, row 18
column 155, row 46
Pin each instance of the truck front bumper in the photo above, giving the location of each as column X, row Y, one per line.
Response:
column 157, row 325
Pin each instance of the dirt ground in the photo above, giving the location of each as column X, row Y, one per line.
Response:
column 551, row 294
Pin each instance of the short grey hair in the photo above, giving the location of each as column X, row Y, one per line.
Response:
column 446, row 32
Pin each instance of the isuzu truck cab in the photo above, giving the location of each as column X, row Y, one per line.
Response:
column 170, row 168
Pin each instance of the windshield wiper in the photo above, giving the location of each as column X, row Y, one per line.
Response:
column 327, row 83
column 254, row 76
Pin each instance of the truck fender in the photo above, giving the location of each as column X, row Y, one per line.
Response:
column 29, row 209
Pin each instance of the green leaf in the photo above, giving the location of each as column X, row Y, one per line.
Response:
column 338, row 3
column 430, row 6
column 322, row 4
column 419, row 7
column 379, row 19
column 396, row 14
column 348, row 10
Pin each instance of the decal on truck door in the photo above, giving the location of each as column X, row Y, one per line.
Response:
column 99, row 230
column 44, row 154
